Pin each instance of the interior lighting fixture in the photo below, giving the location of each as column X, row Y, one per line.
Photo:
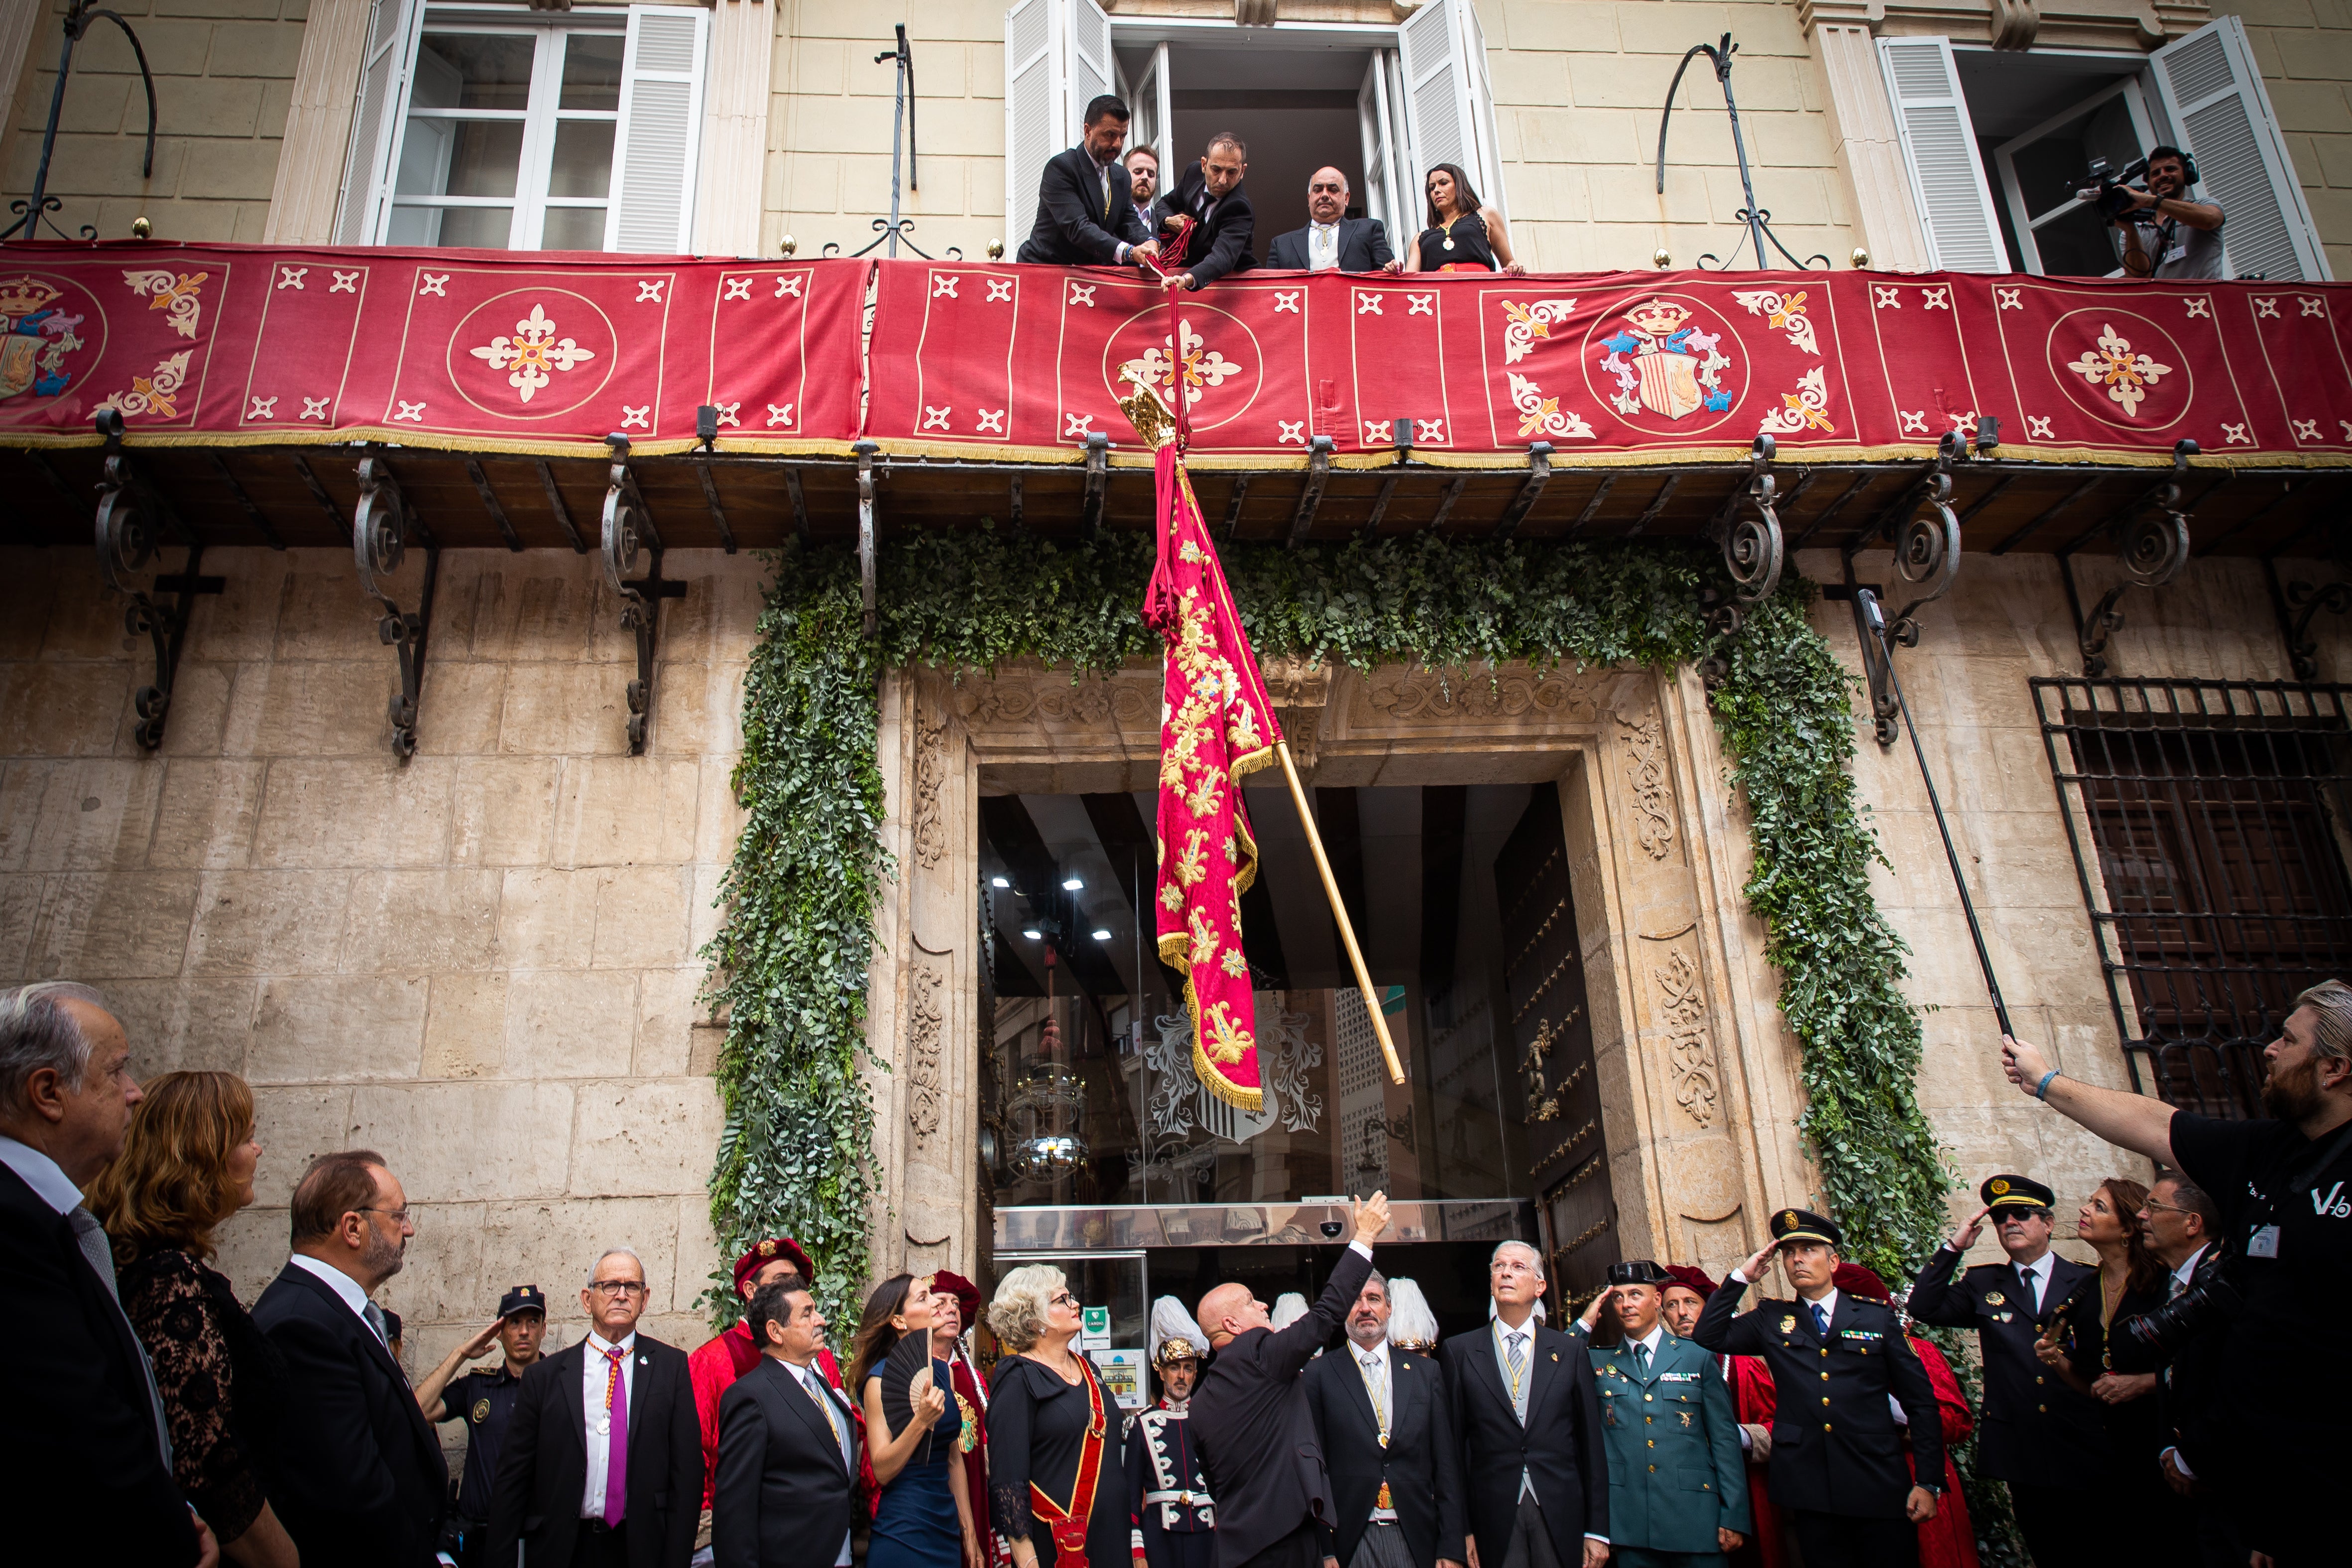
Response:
column 999, row 881
column 1072, row 884
column 1102, row 933
column 1033, row 933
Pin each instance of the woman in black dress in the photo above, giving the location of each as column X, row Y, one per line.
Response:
column 187, row 1164
column 1463, row 236
column 1055, row 1438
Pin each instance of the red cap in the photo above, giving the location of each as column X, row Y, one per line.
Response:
column 767, row 1252
column 1691, row 1278
column 947, row 1282
column 1856, row 1280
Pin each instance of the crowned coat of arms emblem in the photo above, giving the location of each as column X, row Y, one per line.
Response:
column 1665, row 363
column 35, row 336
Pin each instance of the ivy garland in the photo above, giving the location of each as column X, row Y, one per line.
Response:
column 790, row 964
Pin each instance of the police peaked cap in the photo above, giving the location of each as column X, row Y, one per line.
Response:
column 2016, row 1192
column 522, row 1299
column 1800, row 1225
column 1639, row 1271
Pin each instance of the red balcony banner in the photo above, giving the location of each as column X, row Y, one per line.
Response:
column 540, row 353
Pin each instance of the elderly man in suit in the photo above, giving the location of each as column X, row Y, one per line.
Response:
column 787, row 1473
column 85, row 1445
column 1381, row 1417
column 1528, row 1418
column 363, row 1477
column 603, row 1462
column 1086, row 214
column 1211, row 195
column 1332, row 241
column 1255, row 1423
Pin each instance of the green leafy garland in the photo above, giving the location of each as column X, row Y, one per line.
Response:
column 790, row 964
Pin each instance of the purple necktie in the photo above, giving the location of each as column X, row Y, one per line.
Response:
column 616, row 1443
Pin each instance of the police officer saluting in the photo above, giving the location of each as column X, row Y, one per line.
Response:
column 2038, row 1435
column 483, row 1401
column 1836, row 1468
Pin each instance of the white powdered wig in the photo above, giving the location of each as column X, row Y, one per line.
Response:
column 1411, row 1321
column 1289, row 1308
column 1170, row 1320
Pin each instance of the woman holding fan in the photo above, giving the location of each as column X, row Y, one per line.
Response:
column 1055, row 1440
column 922, row 1510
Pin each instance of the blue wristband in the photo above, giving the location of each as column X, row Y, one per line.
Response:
column 2041, row 1090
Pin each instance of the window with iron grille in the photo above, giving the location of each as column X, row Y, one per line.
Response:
column 2208, row 823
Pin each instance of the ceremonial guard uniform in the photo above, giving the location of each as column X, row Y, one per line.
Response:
column 484, row 1401
column 1675, row 1474
column 1174, row 1518
column 2041, row 1437
column 1837, row 1464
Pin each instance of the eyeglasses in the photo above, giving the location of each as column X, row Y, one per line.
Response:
column 2166, row 1208
column 1061, row 1299
column 617, row 1287
column 398, row 1215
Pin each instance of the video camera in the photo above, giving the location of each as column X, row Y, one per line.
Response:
column 2111, row 199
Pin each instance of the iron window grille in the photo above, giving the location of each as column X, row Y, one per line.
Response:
column 2208, row 822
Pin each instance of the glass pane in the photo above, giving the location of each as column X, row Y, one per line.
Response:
column 591, row 71
column 460, row 158
column 584, row 159
column 474, row 71
column 2053, row 167
column 572, row 229
column 460, row 228
column 2078, row 244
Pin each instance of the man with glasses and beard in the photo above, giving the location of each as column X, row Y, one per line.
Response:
column 2284, row 1187
column 358, row 1476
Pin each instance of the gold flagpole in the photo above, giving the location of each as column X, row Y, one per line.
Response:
column 1340, row 912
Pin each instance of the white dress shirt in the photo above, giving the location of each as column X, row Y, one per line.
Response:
column 346, row 1289
column 1322, row 247
column 2185, row 1272
column 1501, row 1332
column 819, row 1390
column 594, row 1369
column 2036, row 1276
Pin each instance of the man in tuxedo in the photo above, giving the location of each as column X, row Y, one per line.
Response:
column 1255, row 1423
column 1086, row 200
column 1381, row 1417
column 2036, row 1433
column 1528, row 1418
column 363, row 1477
column 85, row 1447
column 1211, row 195
column 787, row 1448
column 602, row 1461
column 1332, row 241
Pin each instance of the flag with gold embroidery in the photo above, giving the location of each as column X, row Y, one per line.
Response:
column 1217, row 725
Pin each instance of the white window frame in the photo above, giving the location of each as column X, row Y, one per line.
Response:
column 2014, row 195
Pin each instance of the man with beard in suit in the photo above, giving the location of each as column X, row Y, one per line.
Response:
column 2037, row 1434
column 1332, row 241
column 1526, row 1414
column 1211, row 195
column 1380, row 1413
column 1086, row 200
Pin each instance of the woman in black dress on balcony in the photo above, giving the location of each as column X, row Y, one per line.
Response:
column 1463, row 236
column 1055, row 1437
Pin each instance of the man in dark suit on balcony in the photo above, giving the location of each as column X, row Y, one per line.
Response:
column 1209, row 193
column 1086, row 200
column 1332, row 241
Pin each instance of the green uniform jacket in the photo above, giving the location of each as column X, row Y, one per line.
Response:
column 1674, row 1449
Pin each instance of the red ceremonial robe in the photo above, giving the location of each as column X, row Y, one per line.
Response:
column 715, row 1365
column 971, row 1395
column 1948, row 1540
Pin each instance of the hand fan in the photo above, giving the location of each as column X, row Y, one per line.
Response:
column 909, row 1359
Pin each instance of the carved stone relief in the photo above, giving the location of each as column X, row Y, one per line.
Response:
column 926, row 1028
column 1018, row 698
column 930, row 833
column 1457, row 696
column 1690, row 1052
column 1300, row 692
column 1646, row 775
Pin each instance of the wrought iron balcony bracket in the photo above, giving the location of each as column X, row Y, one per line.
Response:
column 126, row 543
column 382, row 525
column 867, row 451
column 2307, row 600
column 628, row 530
column 2152, row 547
column 1752, row 547
column 1319, row 474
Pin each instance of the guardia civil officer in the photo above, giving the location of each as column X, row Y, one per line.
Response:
column 483, row 1401
column 2037, row 1434
column 1837, row 1469
column 1174, row 1517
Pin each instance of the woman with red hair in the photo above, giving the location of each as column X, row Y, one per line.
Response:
column 1947, row 1541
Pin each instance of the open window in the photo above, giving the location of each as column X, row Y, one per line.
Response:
column 2042, row 170
column 571, row 131
column 1939, row 150
column 2222, row 118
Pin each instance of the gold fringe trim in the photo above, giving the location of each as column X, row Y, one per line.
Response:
column 1213, row 1076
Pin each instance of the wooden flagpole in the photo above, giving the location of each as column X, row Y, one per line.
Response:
column 1340, row 912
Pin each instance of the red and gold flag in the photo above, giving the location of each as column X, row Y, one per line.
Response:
column 1216, row 726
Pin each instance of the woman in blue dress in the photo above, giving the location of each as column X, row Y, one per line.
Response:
column 923, row 1516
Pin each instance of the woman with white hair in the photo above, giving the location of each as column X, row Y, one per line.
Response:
column 1056, row 1439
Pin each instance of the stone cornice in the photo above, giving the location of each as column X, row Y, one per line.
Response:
column 2122, row 26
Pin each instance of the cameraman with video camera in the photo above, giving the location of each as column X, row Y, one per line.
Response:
column 2284, row 1191
column 2165, row 234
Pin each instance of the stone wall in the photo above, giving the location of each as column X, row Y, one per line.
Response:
column 482, row 963
column 2304, row 47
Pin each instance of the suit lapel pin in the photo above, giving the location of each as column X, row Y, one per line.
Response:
column 1555, row 1355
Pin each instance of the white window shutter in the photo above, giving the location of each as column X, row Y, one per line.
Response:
column 1437, row 109
column 1372, row 129
column 1486, row 167
column 660, row 129
column 1939, row 147
column 2213, row 94
column 376, row 121
column 1091, row 71
column 1033, row 92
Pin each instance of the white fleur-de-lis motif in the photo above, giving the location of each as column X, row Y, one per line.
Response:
column 779, row 414
column 2126, row 375
column 1292, row 432
column 2345, row 425
column 1936, row 299
column 943, row 285
column 998, row 288
column 935, row 419
column 291, row 278
column 1421, row 304
column 433, row 283
column 1429, row 432
column 787, row 283
column 2311, row 305
column 531, row 352
column 1914, row 423
column 730, row 413
column 649, row 288
column 2265, row 307
column 1287, row 299
column 2041, row 426
column 643, row 419
column 989, row 419
column 345, row 282
column 737, row 288
column 2199, row 307
column 2306, row 430
column 1083, row 293
column 1885, row 296
column 263, row 408
column 315, row 407
column 410, row 410
column 2009, row 299
column 1077, row 424
column 1377, row 433
column 2235, row 436
column 1367, row 304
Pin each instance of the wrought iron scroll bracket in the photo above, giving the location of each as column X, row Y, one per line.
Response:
column 382, row 527
column 628, row 531
column 1098, row 480
column 2152, row 549
column 866, row 452
column 1926, row 544
column 1751, row 545
column 2307, row 600
column 126, row 544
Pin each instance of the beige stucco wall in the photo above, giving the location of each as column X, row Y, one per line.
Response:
column 224, row 77
column 482, row 963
